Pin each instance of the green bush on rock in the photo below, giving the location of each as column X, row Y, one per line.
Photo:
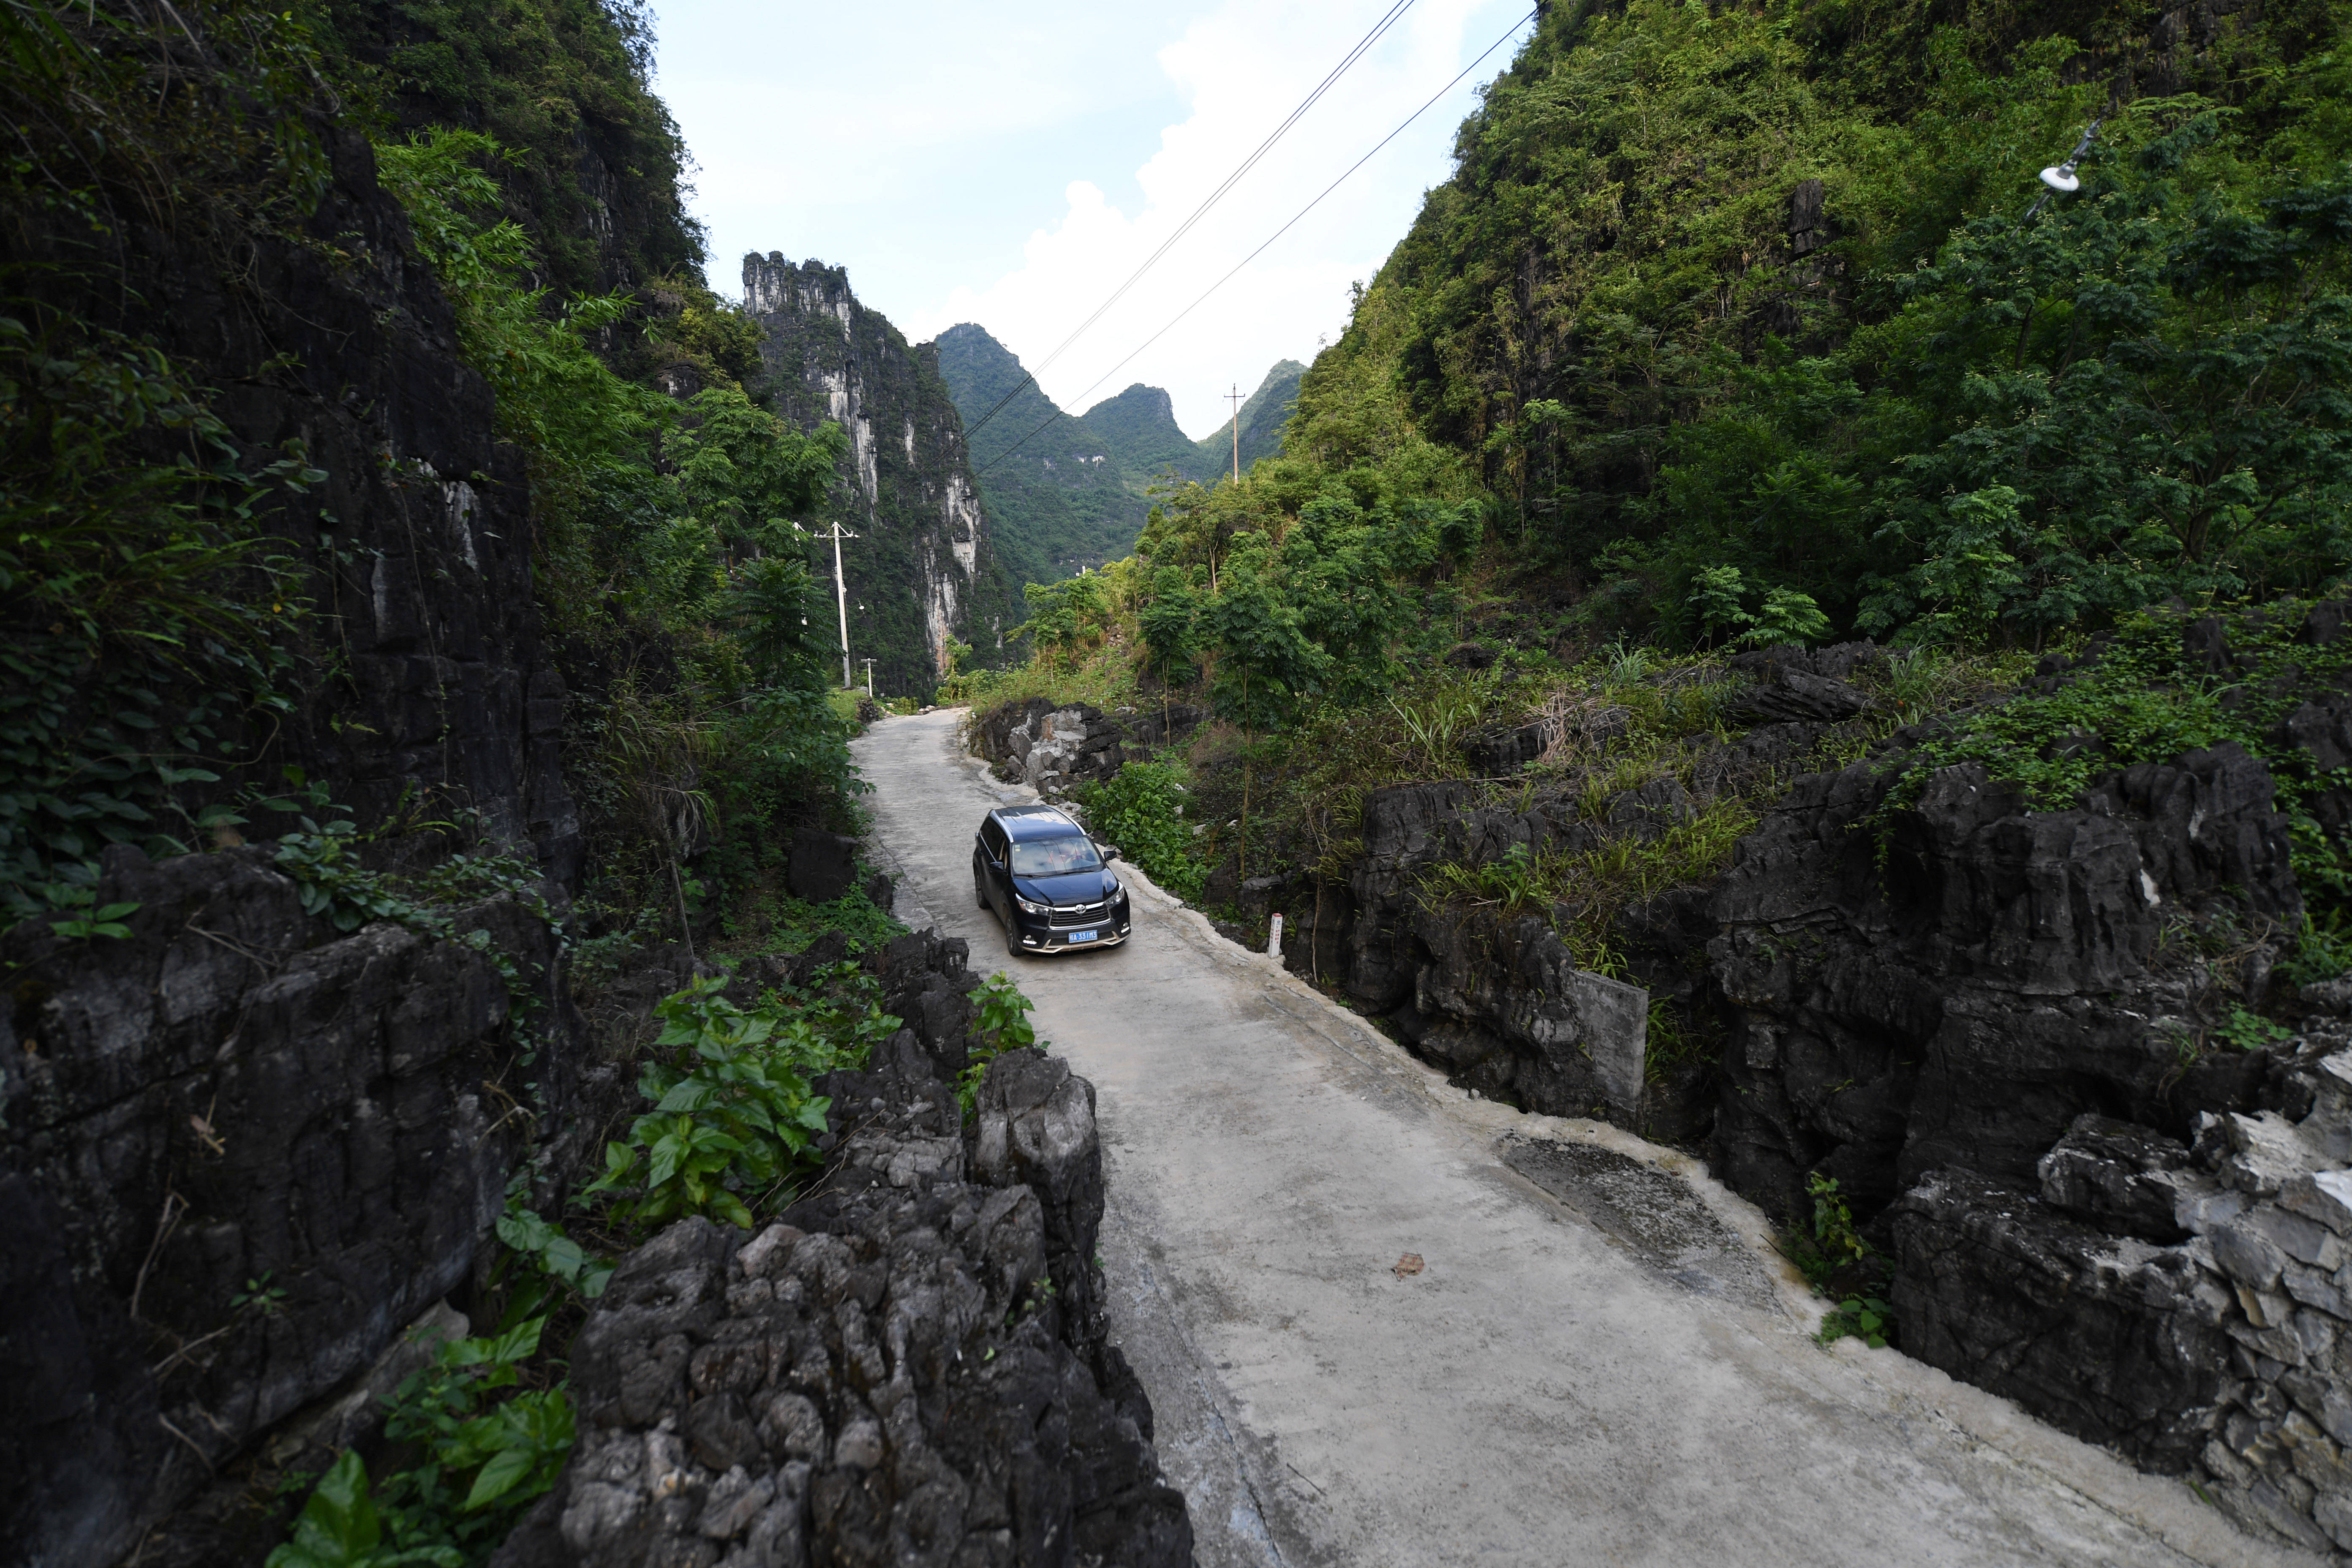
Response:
column 1140, row 808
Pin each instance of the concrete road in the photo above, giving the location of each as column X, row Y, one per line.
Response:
column 1551, row 1389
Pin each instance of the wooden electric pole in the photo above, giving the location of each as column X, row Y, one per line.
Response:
column 836, row 532
column 1235, row 397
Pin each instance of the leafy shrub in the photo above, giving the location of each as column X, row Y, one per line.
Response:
column 1140, row 808
column 485, row 1454
column 1003, row 1025
column 2151, row 697
column 730, row 1126
column 1865, row 1318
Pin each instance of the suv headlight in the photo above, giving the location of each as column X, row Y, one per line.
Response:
column 1025, row 906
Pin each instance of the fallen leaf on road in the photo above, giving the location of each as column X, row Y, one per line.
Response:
column 1409, row 1264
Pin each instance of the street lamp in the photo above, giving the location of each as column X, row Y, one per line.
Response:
column 2061, row 177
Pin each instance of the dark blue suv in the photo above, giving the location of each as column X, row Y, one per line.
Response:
column 1051, row 884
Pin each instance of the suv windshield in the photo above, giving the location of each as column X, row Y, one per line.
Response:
column 1054, row 857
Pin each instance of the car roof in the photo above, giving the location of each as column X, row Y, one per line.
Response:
column 1035, row 822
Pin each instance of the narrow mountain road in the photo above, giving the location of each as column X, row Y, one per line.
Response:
column 1600, row 1362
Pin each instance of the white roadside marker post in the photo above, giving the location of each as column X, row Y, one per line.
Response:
column 1273, row 938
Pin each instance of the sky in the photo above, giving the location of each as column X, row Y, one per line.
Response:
column 1013, row 165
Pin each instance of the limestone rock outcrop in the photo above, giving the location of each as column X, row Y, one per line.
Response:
column 921, row 571
column 2226, row 1355
column 243, row 1152
column 1055, row 748
column 907, row 1367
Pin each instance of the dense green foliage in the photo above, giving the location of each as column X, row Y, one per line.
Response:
column 488, row 1447
column 1909, row 402
column 593, row 173
column 657, row 518
column 733, row 1119
column 1140, row 808
column 2149, row 696
column 151, row 615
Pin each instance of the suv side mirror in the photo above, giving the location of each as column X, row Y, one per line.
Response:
column 1109, row 853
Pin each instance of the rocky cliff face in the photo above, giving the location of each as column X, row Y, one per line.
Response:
column 922, row 569
column 244, row 1149
column 1998, row 975
column 1054, row 750
column 2006, row 1032
column 2046, row 1053
column 242, row 1154
column 418, row 539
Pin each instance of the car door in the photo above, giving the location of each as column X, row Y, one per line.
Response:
column 992, row 848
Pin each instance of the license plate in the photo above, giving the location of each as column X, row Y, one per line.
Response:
column 1081, row 936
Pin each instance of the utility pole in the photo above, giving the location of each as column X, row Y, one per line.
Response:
column 869, row 679
column 1235, row 397
column 840, row 592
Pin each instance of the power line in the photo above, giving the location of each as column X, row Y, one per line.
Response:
column 1278, row 234
column 1382, row 26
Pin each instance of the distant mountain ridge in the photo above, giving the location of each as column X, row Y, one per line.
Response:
column 1065, row 491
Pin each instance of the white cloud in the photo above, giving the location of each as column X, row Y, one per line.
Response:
column 1012, row 167
column 1240, row 71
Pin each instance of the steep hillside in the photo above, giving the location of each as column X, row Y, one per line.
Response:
column 594, row 159
column 1751, row 288
column 1262, row 417
column 1998, row 952
column 411, row 693
column 923, row 571
column 1060, row 497
column 1070, row 491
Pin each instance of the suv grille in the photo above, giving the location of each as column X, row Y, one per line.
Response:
column 1070, row 916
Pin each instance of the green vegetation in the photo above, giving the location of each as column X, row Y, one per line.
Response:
column 1887, row 391
column 151, row 610
column 729, row 1135
column 491, row 1447
column 656, row 516
column 1053, row 510
column 1839, row 1263
column 1733, row 329
column 1003, row 1025
column 1066, row 493
column 732, row 1122
column 2149, row 696
column 1140, row 809
column 592, row 179
column 169, row 641
column 1262, row 416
